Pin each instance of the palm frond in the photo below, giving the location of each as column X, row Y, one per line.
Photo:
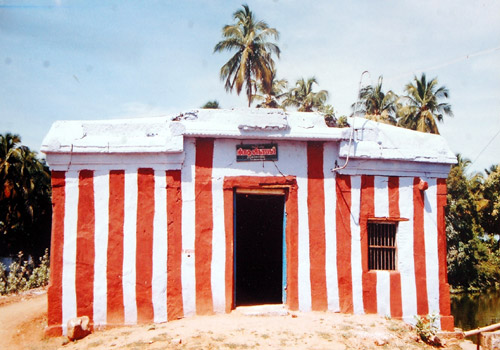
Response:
column 422, row 100
column 253, row 59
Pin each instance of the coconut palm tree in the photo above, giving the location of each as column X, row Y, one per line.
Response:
column 420, row 109
column 492, row 169
column 302, row 96
column 7, row 142
column 376, row 105
column 253, row 57
column 270, row 97
column 25, row 206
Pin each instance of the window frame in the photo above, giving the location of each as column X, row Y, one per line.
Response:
column 372, row 248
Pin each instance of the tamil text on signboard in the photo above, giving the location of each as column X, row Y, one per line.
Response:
column 252, row 152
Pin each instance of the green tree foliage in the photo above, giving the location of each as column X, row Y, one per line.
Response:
column 421, row 107
column 473, row 254
column 342, row 122
column 489, row 205
column 211, row 105
column 376, row 105
column 25, row 202
column 271, row 97
column 329, row 115
column 253, row 57
column 304, row 98
column 462, row 227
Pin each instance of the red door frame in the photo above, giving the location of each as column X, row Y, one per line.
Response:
column 288, row 183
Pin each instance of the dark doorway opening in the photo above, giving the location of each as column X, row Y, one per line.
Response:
column 259, row 249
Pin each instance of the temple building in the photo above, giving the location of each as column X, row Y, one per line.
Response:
column 198, row 213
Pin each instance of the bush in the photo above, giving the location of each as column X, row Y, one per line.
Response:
column 3, row 282
column 426, row 328
column 40, row 275
column 24, row 275
column 16, row 280
column 342, row 122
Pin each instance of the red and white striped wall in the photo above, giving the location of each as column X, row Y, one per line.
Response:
column 143, row 244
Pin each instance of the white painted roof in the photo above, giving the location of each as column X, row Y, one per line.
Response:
column 139, row 135
column 165, row 134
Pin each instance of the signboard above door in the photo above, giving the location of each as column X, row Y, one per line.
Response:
column 254, row 152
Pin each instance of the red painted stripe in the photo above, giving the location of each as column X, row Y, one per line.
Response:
column 174, row 253
column 144, row 249
column 115, row 247
column 54, row 293
column 229, row 228
column 292, row 248
column 394, row 197
column 444, row 287
column 316, row 213
column 367, row 210
column 85, row 250
column 419, row 248
column 203, row 225
column 395, row 276
column 343, row 225
column 396, row 299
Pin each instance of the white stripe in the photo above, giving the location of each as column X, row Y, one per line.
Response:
column 69, row 248
column 159, row 274
column 384, row 293
column 431, row 246
column 381, row 196
column 332, row 287
column 304, row 276
column 188, row 276
column 357, row 270
column 101, row 210
column 404, row 240
column 129, row 247
column 381, row 204
column 218, row 263
column 218, row 267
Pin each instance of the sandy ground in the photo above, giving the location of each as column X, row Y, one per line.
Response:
column 23, row 319
column 236, row 331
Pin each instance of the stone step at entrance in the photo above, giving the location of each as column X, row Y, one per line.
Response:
column 263, row 310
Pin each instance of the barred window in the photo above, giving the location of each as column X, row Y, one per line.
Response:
column 382, row 245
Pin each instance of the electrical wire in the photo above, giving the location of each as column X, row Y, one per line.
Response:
column 446, row 63
column 485, row 147
column 352, row 126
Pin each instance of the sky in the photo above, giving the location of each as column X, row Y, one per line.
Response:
column 89, row 59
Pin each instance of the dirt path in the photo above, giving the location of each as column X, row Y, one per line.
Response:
column 23, row 320
column 311, row 330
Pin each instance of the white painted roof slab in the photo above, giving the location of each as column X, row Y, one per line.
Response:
column 141, row 135
column 166, row 134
